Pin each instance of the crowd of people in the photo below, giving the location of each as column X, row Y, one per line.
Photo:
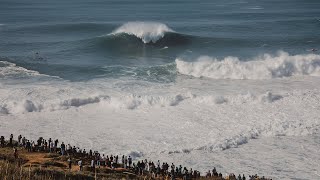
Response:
column 94, row 159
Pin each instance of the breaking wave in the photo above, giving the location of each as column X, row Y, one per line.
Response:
column 263, row 67
column 133, row 102
column 146, row 31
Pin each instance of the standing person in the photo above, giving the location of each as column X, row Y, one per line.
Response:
column 122, row 160
column 46, row 146
column 49, row 142
column 130, row 161
column 2, row 141
column 80, row 165
column 125, row 162
column 28, row 146
column 24, row 141
column 63, row 148
column 11, row 138
column 56, row 145
column 51, row 146
column 70, row 163
column 116, row 159
column 93, row 165
column 15, row 152
column 69, row 149
column 19, row 139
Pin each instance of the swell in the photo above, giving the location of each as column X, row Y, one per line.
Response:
column 64, row 28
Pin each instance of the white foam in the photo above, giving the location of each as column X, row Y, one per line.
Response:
column 8, row 69
column 263, row 67
column 77, row 102
column 146, row 31
column 3, row 110
column 166, row 121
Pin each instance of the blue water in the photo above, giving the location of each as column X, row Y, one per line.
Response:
column 71, row 39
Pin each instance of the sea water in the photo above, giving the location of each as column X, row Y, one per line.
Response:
column 226, row 84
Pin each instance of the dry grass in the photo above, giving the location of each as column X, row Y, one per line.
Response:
column 45, row 166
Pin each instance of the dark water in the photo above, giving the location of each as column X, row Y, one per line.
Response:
column 72, row 40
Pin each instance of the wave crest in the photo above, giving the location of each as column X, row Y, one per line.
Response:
column 263, row 67
column 146, row 31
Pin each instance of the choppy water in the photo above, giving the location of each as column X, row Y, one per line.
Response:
column 176, row 80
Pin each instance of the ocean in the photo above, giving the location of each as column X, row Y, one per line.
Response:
column 226, row 84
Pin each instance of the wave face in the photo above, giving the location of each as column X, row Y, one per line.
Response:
column 263, row 67
column 146, row 31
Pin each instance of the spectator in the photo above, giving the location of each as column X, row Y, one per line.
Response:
column 10, row 140
column 15, row 153
column 19, row 139
column 63, row 148
column 70, row 163
column 130, row 161
column 80, row 165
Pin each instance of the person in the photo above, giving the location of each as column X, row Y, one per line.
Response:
column 69, row 149
column 63, row 148
column 24, row 141
column 93, row 165
column 214, row 171
column 28, row 146
column 10, row 140
column 19, row 139
column 33, row 146
column 56, row 145
column 49, row 142
column 74, row 150
column 116, row 159
column 80, row 165
column 208, row 174
column 70, row 163
column 130, row 161
column 122, row 160
column 51, row 146
column 125, row 162
column 2, row 141
column 45, row 145
column 15, row 152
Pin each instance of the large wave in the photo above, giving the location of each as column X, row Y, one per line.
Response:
column 262, row 67
column 146, row 31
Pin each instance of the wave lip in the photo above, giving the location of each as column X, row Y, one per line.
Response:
column 146, row 31
column 263, row 67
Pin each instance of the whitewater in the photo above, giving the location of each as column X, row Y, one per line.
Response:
column 232, row 85
column 193, row 121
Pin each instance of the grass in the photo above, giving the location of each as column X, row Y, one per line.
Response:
column 45, row 166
